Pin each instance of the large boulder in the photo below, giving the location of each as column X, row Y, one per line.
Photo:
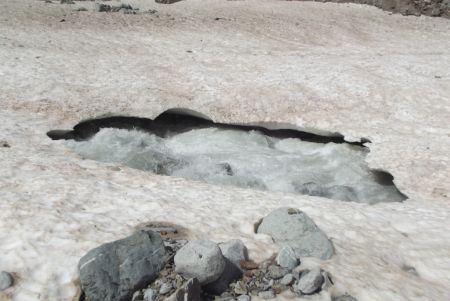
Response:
column 292, row 227
column 233, row 251
column 201, row 259
column 114, row 271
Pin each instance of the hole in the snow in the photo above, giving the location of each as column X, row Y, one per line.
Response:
column 177, row 143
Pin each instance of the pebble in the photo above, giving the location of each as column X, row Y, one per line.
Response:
column 165, row 288
column 266, row 295
column 6, row 280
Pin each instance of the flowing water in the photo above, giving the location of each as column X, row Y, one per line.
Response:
column 247, row 159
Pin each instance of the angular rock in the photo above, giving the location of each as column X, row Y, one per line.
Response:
column 6, row 280
column 286, row 258
column 310, row 282
column 114, row 271
column 292, row 227
column 190, row 292
column 344, row 298
column 201, row 259
column 234, row 251
column 287, row 279
column 100, row 7
column 276, row 272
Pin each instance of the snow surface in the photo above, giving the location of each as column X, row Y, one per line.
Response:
column 245, row 159
column 338, row 68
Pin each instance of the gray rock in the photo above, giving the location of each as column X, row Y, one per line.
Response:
column 240, row 288
column 190, row 292
column 344, row 298
column 292, row 227
column 165, row 288
column 233, row 251
column 266, row 295
column 276, row 272
column 67, row 2
column 201, row 259
column 150, row 295
column 6, row 280
column 310, row 282
column 100, row 7
column 138, row 296
column 114, row 271
column 287, row 279
column 244, row 298
column 286, row 258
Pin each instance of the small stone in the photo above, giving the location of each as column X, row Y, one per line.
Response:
column 240, row 288
column 99, row 7
column 286, row 258
column 82, row 9
column 165, row 288
column 166, row 1
column 4, row 144
column 6, row 280
column 150, row 295
column 67, row 2
column 276, row 272
column 287, row 279
column 266, row 295
column 201, row 259
column 244, row 298
column 310, row 282
column 327, row 282
column 345, row 297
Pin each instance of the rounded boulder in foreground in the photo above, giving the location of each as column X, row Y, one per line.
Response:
column 201, row 259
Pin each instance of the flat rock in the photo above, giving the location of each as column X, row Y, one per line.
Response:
column 292, row 227
column 310, row 282
column 114, row 271
column 201, row 259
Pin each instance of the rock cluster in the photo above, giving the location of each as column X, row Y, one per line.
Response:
column 148, row 267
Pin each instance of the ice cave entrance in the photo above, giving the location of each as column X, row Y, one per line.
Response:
column 182, row 145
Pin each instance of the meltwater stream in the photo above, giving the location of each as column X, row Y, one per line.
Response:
column 247, row 159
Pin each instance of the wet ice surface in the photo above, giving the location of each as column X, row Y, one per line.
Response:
column 248, row 160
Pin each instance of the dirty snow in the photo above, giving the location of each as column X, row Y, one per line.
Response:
column 339, row 68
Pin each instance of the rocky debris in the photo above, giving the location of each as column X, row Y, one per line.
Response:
column 434, row 8
column 292, row 227
column 6, row 280
column 234, row 251
column 167, row 1
column 286, row 258
column 310, row 282
column 344, row 298
column 114, row 271
column 100, row 7
column 201, row 259
column 190, row 292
